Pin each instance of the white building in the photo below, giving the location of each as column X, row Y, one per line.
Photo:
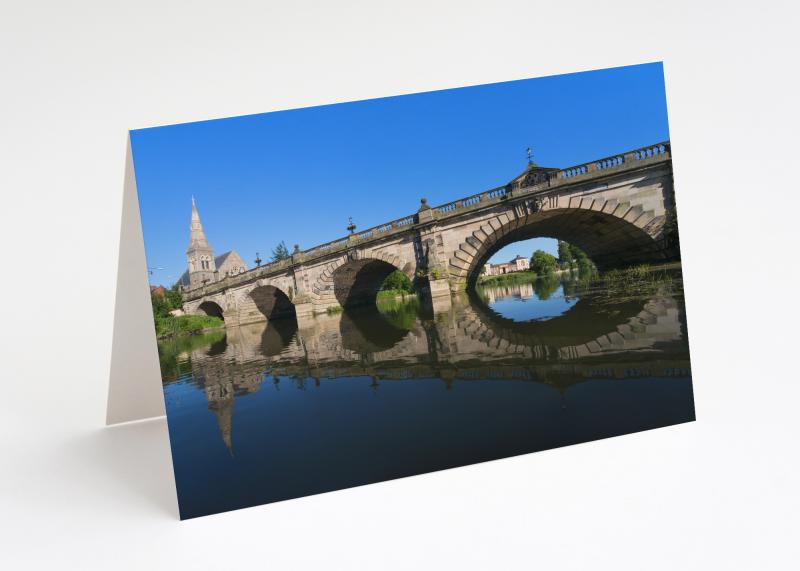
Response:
column 518, row 264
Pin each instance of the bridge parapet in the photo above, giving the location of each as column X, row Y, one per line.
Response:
column 636, row 158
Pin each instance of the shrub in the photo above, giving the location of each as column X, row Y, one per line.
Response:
column 397, row 280
column 543, row 263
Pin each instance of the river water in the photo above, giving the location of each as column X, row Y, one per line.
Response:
column 265, row 413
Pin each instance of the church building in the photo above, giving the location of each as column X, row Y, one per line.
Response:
column 204, row 267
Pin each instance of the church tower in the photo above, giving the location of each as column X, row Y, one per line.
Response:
column 202, row 268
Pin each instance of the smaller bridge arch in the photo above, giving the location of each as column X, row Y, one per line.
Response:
column 356, row 278
column 212, row 308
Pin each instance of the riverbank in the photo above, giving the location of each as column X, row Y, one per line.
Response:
column 184, row 325
column 508, row 279
column 524, row 276
column 389, row 294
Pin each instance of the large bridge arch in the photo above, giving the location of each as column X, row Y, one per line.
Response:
column 611, row 234
column 355, row 279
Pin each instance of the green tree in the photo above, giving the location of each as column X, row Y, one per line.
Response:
column 585, row 265
column 281, row 252
column 546, row 286
column 160, row 306
column 543, row 263
column 397, row 280
column 565, row 255
column 173, row 297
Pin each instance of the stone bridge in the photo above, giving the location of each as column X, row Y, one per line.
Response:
column 619, row 210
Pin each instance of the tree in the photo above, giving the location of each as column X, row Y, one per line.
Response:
column 543, row 263
column 585, row 265
column 565, row 255
column 160, row 305
column 281, row 252
column 397, row 280
column 173, row 297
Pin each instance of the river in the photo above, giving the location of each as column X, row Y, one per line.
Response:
column 266, row 413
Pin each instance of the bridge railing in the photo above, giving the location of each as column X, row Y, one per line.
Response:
column 385, row 229
column 659, row 151
column 548, row 179
column 470, row 201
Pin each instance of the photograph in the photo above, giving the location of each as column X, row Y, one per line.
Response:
column 352, row 293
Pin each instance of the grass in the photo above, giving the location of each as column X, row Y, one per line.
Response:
column 636, row 281
column 393, row 293
column 172, row 326
column 512, row 278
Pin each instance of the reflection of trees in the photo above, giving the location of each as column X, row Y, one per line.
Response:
column 401, row 313
column 169, row 350
column 578, row 282
column 546, row 286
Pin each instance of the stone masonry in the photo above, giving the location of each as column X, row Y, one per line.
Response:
column 616, row 209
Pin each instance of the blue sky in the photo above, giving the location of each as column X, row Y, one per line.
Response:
column 298, row 175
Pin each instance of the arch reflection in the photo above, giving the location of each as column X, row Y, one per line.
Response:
column 594, row 339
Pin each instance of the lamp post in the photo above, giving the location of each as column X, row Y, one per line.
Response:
column 351, row 227
column 258, row 260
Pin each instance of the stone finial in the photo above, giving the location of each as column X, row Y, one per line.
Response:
column 423, row 204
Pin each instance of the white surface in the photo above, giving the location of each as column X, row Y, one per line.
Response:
column 720, row 493
column 134, row 386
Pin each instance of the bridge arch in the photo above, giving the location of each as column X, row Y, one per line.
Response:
column 611, row 234
column 272, row 301
column 354, row 280
column 211, row 308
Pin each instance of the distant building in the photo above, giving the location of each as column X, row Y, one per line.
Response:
column 518, row 264
column 204, row 267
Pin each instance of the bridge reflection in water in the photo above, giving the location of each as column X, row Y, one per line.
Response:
column 365, row 396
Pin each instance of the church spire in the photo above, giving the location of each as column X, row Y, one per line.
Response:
column 200, row 255
column 197, row 237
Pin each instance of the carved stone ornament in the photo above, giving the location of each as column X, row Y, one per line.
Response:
column 534, row 178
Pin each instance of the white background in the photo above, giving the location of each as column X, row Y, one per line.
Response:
column 720, row 493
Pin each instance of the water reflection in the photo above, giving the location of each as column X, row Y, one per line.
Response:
column 539, row 301
column 554, row 369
